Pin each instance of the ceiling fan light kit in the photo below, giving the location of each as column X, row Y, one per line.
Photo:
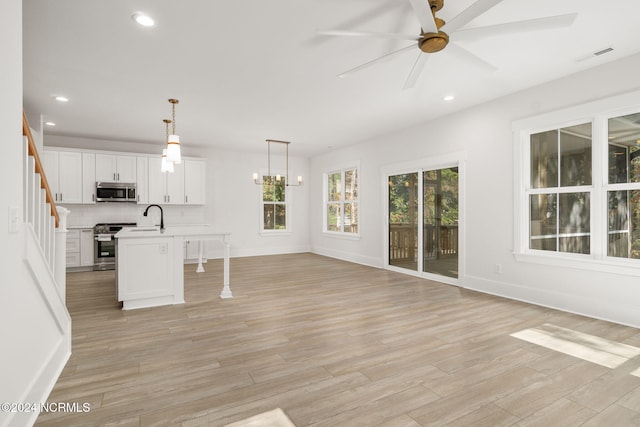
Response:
column 433, row 39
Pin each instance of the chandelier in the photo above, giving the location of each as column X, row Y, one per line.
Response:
column 278, row 176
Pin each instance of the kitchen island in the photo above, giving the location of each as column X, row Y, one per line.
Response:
column 150, row 264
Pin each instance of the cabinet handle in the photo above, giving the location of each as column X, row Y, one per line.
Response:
column 168, row 198
column 60, row 196
column 93, row 197
column 186, row 199
column 114, row 176
column 118, row 176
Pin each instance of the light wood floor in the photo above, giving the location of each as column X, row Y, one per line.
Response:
column 332, row 344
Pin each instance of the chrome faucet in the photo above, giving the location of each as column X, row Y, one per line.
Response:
column 161, row 216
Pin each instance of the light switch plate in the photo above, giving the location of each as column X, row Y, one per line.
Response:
column 14, row 219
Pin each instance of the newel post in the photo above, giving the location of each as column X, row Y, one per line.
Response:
column 60, row 263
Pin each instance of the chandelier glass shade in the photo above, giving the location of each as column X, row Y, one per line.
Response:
column 166, row 165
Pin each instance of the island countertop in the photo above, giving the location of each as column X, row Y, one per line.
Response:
column 195, row 232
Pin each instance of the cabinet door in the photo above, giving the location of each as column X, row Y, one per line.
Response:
column 157, row 181
column 126, row 169
column 142, row 179
column 194, row 182
column 88, row 178
column 175, row 185
column 86, row 247
column 106, row 168
column 70, row 177
column 50, row 163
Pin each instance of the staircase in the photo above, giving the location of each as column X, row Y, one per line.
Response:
column 41, row 344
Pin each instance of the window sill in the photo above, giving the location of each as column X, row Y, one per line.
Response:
column 338, row 235
column 270, row 233
column 622, row 266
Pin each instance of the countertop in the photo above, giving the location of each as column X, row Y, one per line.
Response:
column 170, row 231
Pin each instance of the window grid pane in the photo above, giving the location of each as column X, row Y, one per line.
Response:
column 341, row 201
column 560, row 220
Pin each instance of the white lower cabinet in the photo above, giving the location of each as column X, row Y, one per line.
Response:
column 73, row 248
column 80, row 248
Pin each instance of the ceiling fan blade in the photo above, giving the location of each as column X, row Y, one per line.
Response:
column 368, row 34
column 548, row 23
column 465, row 55
column 375, row 61
column 415, row 72
column 423, row 12
column 469, row 14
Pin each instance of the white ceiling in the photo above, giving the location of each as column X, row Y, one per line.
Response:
column 248, row 70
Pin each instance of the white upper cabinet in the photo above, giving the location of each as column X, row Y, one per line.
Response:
column 114, row 168
column 194, row 181
column 88, row 178
column 165, row 187
column 63, row 170
column 142, row 180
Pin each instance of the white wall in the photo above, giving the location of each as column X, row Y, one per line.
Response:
column 484, row 133
column 33, row 351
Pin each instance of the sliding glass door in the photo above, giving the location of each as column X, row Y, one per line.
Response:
column 403, row 220
column 423, row 221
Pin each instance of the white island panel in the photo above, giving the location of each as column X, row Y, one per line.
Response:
column 150, row 264
column 149, row 272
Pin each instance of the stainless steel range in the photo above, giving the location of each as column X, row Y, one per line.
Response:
column 104, row 248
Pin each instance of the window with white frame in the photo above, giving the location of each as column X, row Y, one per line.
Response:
column 341, row 201
column 559, row 193
column 623, row 186
column 580, row 186
column 274, row 204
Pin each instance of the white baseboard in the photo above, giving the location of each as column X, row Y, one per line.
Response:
column 577, row 304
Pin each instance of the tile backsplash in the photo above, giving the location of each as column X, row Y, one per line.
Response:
column 89, row 215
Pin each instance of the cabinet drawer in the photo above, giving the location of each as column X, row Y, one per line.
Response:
column 73, row 259
column 73, row 245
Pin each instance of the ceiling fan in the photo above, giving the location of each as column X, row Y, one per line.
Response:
column 433, row 38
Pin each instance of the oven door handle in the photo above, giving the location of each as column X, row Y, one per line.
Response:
column 103, row 238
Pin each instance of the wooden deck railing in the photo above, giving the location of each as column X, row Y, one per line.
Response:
column 403, row 241
column 33, row 151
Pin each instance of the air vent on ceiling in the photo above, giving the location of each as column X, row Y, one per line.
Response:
column 603, row 51
column 595, row 54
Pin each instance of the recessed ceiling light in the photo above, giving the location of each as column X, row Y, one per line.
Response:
column 49, row 123
column 448, row 98
column 62, row 98
column 143, row 19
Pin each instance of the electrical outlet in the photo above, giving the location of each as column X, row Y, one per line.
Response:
column 497, row 268
column 163, row 249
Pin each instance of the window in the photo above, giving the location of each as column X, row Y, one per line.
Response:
column 560, row 190
column 623, row 187
column 341, row 201
column 274, row 204
column 579, row 186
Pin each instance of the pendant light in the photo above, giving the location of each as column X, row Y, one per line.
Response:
column 166, row 165
column 278, row 177
column 173, row 141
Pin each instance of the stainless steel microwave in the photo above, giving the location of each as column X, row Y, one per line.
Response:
column 116, row 192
